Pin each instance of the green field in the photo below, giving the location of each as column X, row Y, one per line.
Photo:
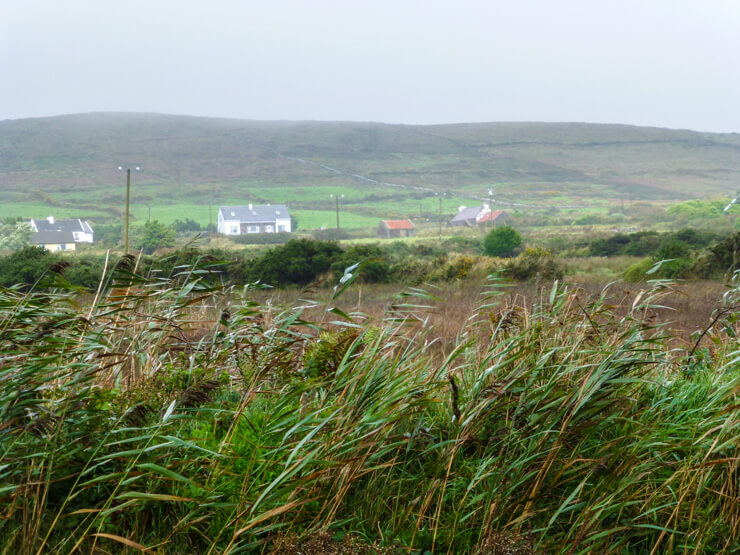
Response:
column 71, row 161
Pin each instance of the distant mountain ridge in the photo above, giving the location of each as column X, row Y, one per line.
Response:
column 81, row 152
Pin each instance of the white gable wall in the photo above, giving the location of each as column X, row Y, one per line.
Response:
column 283, row 223
column 227, row 226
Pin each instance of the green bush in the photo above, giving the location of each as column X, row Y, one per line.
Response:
column 156, row 236
column 298, row 262
column 188, row 226
column 534, row 263
column 262, row 238
column 502, row 241
column 717, row 261
column 650, row 243
column 374, row 270
column 25, row 266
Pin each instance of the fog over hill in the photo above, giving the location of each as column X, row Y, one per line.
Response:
column 82, row 152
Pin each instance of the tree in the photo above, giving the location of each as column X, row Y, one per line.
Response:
column 502, row 241
column 14, row 236
column 185, row 227
column 156, row 236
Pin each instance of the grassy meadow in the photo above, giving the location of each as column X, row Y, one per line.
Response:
column 171, row 414
column 423, row 402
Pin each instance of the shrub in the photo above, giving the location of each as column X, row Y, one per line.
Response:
column 610, row 246
column 261, row 238
column 156, row 236
column 532, row 263
column 375, row 269
column 502, row 241
column 718, row 260
column 25, row 266
column 185, row 227
column 299, row 261
column 14, row 235
column 459, row 268
column 638, row 272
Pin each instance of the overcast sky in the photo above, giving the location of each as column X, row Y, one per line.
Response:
column 668, row 63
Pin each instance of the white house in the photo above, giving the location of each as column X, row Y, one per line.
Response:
column 80, row 230
column 253, row 218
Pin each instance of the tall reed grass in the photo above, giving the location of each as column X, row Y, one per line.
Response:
column 168, row 414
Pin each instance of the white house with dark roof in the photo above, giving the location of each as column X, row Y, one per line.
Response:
column 254, row 218
column 60, row 235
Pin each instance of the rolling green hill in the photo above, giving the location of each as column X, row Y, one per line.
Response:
column 68, row 164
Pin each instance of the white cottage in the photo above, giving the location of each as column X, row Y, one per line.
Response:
column 79, row 230
column 253, row 218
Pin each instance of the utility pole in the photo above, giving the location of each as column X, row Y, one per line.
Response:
column 440, row 216
column 128, row 199
column 336, row 199
column 128, row 203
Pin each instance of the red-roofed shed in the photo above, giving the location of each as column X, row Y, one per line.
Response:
column 396, row 228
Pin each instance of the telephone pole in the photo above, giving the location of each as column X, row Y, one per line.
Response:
column 336, row 198
column 128, row 202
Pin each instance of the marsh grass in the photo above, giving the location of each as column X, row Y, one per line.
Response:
column 169, row 414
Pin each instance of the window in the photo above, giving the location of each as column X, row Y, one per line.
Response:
column 235, row 230
column 253, row 229
column 62, row 247
column 281, row 228
column 268, row 228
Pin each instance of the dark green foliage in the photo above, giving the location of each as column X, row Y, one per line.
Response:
column 108, row 234
column 156, row 236
column 25, row 266
column 188, row 226
column 299, row 261
column 649, row 243
column 85, row 271
column 375, row 268
column 720, row 260
column 502, row 241
column 261, row 238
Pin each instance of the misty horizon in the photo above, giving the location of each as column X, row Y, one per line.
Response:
column 664, row 65
column 361, row 122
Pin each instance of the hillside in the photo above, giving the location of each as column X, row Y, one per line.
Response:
column 71, row 161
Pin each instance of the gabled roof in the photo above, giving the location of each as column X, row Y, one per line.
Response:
column 259, row 212
column 398, row 224
column 492, row 216
column 43, row 225
column 465, row 214
column 52, row 237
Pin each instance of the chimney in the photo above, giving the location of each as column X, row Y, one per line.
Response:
column 460, row 209
column 250, row 205
column 50, row 219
